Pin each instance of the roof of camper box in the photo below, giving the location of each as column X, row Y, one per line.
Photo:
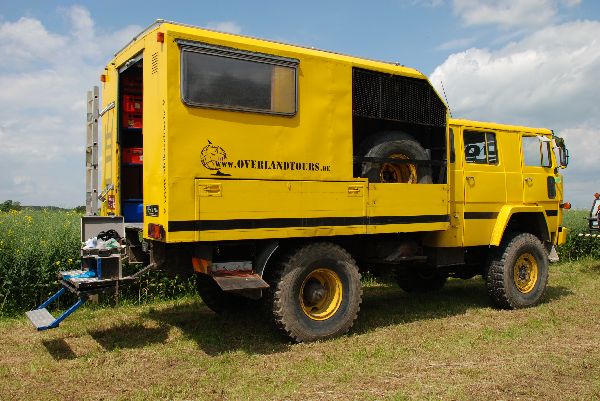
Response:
column 390, row 67
column 497, row 126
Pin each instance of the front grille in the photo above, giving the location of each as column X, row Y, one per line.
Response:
column 397, row 98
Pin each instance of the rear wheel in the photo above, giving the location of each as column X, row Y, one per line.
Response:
column 316, row 293
column 518, row 272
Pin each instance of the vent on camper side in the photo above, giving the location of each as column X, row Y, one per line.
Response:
column 154, row 63
column 396, row 98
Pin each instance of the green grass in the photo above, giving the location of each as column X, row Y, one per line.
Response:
column 446, row 345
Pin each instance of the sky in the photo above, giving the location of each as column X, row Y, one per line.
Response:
column 525, row 62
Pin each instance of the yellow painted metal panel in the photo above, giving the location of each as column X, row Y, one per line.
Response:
column 264, row 209
column 504, row 215
column 419, row 207
column 562, row 236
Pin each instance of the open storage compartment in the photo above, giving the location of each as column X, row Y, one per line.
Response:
column 131, row 140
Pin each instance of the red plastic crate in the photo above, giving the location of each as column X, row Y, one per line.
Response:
column 132, row 120
column 132, row 104
column 133, row 155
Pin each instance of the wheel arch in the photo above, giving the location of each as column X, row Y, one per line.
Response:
column 529, row 219
column 266, row 256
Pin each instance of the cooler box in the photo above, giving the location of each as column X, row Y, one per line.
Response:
column 133, row 211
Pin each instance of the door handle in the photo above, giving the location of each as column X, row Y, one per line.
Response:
column 354, row 190
column 470, row 178
column 528, row 180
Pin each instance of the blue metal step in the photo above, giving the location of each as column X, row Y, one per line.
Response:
column 43, row 320
column 40, row 318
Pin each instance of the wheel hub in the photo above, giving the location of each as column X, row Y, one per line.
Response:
column 321, row 294
column 314, row 292
column 398, row 173
column 525, row 273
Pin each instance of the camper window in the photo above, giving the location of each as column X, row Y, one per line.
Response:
column 237, row 81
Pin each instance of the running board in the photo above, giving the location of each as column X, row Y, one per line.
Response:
column 241, row 282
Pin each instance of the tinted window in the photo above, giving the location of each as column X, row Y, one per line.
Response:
column 237, row 83
column 480, row 147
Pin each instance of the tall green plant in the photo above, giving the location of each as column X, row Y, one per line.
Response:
column 36, row 244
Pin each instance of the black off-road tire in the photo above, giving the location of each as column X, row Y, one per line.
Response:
column 500, row 280
column 387, row 144
column 219, row 301
column 287, row 283
column 421, row 279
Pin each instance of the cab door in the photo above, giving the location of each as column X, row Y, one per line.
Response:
column 484, row 185
column 539, row 183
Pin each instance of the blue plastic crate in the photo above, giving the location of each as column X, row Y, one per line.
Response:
column 133, row 211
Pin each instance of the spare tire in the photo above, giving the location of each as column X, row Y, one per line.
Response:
column 395, row 145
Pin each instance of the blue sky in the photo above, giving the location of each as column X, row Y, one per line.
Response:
column 530, row 62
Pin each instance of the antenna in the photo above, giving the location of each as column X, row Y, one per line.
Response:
column 446, row 98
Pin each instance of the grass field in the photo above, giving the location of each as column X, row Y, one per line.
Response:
column 448, row 345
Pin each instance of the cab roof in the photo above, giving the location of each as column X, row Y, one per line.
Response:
column 497, row 126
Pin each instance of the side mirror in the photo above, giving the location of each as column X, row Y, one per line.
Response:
column 563, row 152
column 564, row 156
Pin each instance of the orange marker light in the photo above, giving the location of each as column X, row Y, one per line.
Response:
column 160, row 37
column 566, row 205
column 200, row 265
column 102, row 78
column 156, row 231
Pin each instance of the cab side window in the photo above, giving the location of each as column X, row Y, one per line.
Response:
column 536, row 151
column 480, row 147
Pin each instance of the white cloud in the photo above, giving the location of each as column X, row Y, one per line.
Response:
column 27, row 40
column 548, row 78
column 456, row 44
column 225, row 26
column 505, row 13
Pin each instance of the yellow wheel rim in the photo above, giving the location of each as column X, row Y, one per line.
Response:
column 398, row 173
column 321, row 294
column 525, row 273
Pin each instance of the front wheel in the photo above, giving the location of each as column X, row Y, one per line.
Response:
column 316, row 293
column 518, row 272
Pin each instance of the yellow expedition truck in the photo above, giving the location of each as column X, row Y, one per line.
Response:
column 276, row 173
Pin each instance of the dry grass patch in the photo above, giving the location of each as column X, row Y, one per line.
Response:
column 448, row 345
